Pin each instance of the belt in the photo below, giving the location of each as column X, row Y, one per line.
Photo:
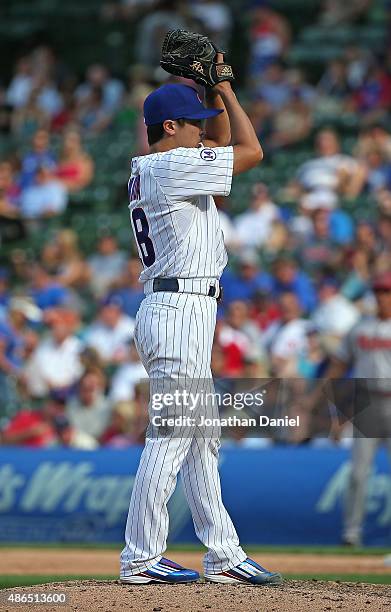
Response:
column 198, row 286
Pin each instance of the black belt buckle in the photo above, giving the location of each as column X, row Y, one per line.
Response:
column 166, row 284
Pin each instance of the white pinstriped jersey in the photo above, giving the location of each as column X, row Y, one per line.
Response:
column 173, row 214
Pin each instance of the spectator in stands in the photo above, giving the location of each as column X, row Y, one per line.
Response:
column 46, row 63
column 128, row 289
column 127, row 376
column 92, row 114
column 253, row 226
column 264, row 310
column 235, row 346
column 274, row 87
column 46, row 197
column 17, row 340
column 278, row 241
column 99, row 79
column 129, row 420
column 88, row 410
column 30, row 117
column 9, row 191
column 366, row 238
column 68, row 436
column 40, row 155
column 287, row 339
column 300, row 87
column 357, row 280
column 55, row 364
column 378, row 170
column 45, row 290
column 111, row 331
column 67, row 117
column 330, row 169
column 247, row 280
column 72, row 269
column 373, row 98
column 358, row 60
column 106, row 265
column 288, row 278
column 215, row 18
column 49, row 99
column 32, row 428
column 335, row 315
column 269, row 37
column 373, row 136
column 260, row 114
column 340, row 224
column 75, row 168
column 90, row 359
column 20, row 87
column 312, row 361
column 122, row 429
column 291, row 124
column 301, row 225
column 333, row 87
column 319, row 250
column 238, row 319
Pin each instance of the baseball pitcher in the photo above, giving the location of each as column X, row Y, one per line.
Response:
column 180, row 243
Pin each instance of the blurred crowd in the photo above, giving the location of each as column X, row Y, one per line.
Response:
column 300, row 259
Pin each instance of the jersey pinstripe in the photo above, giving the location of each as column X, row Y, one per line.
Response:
column 175, row 192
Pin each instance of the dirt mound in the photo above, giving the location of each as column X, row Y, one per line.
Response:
column 317, row 596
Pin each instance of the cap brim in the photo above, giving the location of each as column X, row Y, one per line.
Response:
column 205, row 113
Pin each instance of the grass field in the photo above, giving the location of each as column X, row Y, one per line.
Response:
column 298, row 550
column 8, row 580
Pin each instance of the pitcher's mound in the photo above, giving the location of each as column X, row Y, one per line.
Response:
column 111, row 596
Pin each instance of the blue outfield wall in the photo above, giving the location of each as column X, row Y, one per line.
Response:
column 283, row 495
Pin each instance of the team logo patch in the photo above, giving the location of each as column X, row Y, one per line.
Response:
column 222, row 70
column 197, row 67
column 208, row 154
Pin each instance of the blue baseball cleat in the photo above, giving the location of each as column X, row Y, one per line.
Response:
column 247, row 572
column 163, row 571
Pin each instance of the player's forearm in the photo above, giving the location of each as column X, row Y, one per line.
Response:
column 217, row 129
column 247, row 149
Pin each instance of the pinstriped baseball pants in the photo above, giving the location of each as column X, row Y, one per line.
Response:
column 174, row 335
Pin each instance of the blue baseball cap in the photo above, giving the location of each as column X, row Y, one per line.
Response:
column 175, row 101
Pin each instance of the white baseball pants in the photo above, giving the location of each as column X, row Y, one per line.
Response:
column 174, row 336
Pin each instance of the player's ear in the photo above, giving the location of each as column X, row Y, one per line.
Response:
column 169, row 127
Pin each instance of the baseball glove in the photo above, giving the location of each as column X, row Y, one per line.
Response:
column 192, row 55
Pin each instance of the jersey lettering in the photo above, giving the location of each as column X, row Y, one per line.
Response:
column 134, row 188
column 141, row 232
